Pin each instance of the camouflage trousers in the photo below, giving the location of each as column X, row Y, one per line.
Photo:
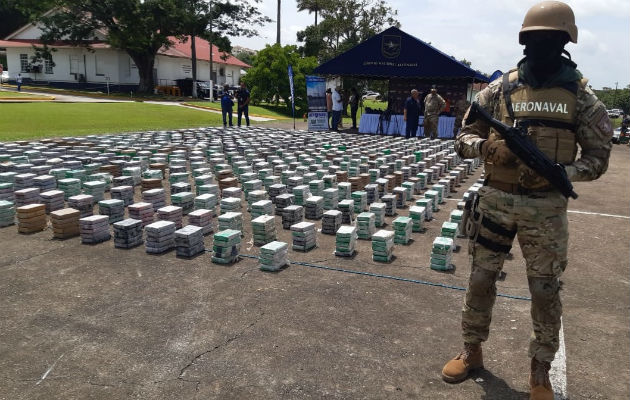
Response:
column 540, row 223
column 431, row 126
column 458, row 123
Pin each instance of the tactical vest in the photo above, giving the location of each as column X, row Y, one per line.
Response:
column 550, row 116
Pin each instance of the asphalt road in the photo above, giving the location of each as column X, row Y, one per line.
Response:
column 95, row 322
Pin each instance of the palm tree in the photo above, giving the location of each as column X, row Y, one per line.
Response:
column 313, row 6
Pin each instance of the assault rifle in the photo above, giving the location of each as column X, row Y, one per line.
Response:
column 518, row 142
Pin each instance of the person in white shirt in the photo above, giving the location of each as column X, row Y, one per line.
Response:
column 337, row 107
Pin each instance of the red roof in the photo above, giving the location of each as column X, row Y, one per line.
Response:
column 181, row 49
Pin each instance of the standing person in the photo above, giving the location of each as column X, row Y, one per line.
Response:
column 411, row 114
column 460, row 108
column 329, row 106
column 515, row 201
column 337, row 107
column 433, row 105
column 354, row 106
column 226, row 105
column 19, row 82
column 242, row 97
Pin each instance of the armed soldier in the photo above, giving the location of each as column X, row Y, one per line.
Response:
column 433, row 106
column 547, row 94
column 460, row 107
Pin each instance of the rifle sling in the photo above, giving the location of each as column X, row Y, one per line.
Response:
column 506, row 95
column 494, row 246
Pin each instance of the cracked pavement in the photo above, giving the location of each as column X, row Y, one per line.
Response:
column 95, row 322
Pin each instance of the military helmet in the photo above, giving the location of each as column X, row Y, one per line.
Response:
column 549, row 16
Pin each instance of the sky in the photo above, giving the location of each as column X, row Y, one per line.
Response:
column 485, row 32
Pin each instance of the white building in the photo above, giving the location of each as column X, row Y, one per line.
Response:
column 80, row 67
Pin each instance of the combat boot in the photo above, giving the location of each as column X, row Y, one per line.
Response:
column 539, row 381
column 458, row 368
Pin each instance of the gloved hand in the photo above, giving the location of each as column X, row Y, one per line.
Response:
column 497, row 152
column 529, row 179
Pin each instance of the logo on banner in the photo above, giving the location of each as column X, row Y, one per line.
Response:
column 390, row 46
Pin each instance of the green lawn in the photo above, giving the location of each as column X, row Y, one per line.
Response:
column 261, row 110
column 19, row 121
column 13, row 93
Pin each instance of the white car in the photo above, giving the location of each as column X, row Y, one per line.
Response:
column 5, row 76
column 616, row 135
column 371, row 95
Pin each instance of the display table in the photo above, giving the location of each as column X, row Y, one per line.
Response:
column 371, row 123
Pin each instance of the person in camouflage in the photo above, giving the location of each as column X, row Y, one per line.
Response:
column 433, row 106
column 549, row 96
column 460, row 107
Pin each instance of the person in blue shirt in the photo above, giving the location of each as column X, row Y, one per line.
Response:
column 412, row 114
column 226, row 105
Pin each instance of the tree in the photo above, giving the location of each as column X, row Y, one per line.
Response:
column 247, row 57
column 14, row 14
column 268, row 78
column 142, row 27
column 345, row 23
column 313, row 6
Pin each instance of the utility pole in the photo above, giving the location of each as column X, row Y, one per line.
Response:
column 278, row 24
column 211, row 89
column 615, row 102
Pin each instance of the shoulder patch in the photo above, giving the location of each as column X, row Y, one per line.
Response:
column 603, row 123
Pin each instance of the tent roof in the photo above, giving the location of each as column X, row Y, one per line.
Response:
column 394, row 53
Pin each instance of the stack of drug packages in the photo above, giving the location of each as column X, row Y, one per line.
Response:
column 82, row 202
column 428, row 207
column 390, row 204
column 451, row 230
column 26, row 196
column 69, row 186
column 124, row 193
column 304, row 236
column 403, row 226
column 226, row 246
column 442, row 253
column 347, row 211
column 383, row 246
column 52, row 199
column 366, row 225
column 273, row 256
column 128, row 233
column 141, row 211
column 230, row 220
column 331, row 221
column 417, row 215
column 292, row 215
column 283, row 201
column 264, row 229
column 301, row 193
column 230, row 204
column 173, row 214
column 94, row 229
column 206, row 201
column 113, row 208
column 201, row 218
column 331, row 198
column 262, row 207
column 314, row 207
column 65, row 223
column 7, row 213
column 185, row 200
column 31, row 218
column 157, row 197
column 379, row 213
column 160, row 236
column 96, row 188
column 456, row 217
column 345, row 241
column 189, row 241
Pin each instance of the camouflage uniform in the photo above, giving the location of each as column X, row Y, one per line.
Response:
column 461, row 106
column 537, row 217
column 433, row 105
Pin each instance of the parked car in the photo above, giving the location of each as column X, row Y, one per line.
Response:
column 616, row 135
column 613, row 113
column 369, row 95
column 5, row 76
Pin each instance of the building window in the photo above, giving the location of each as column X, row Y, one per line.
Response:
column 97, row 67
column 23, row 62
column 74, row 64
column 48, row 65
column 221, row 71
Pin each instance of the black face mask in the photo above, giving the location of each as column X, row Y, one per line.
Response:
column 544, row 49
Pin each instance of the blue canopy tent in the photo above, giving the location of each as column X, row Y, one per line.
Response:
column 396, row 54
